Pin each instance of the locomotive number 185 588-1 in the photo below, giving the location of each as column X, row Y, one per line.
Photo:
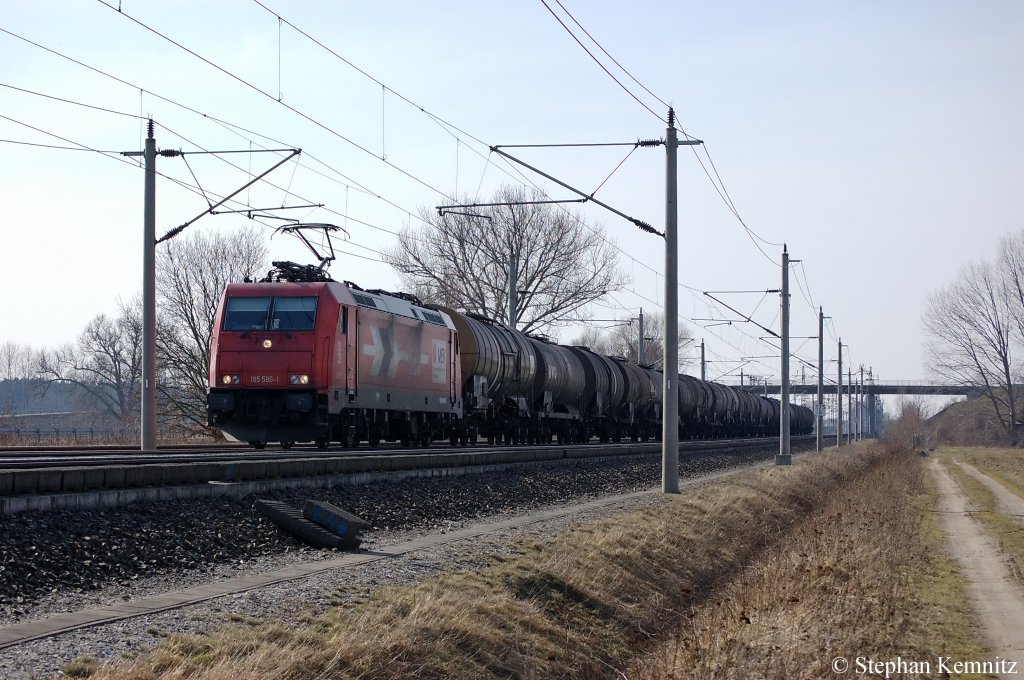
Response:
column 263, row 379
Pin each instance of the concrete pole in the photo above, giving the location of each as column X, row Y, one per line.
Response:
column 860, row 409
column 703, row 364
column 839, row 399
column 640, row 348
column 849, row 406
column 670, row 409
column 785, row 456
column 821, row 377
column 149, row 298
column 513, row 280
column 872, row 406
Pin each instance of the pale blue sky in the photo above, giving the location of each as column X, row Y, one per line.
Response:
column 881, row 140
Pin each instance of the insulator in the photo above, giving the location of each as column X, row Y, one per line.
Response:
column 649, row 142
column 646, row 227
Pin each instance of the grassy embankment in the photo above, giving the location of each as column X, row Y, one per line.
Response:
column 1005, row 466
column 769, row 573
column 863, row 575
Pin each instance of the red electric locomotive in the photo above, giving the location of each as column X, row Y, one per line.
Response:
column 316, row 360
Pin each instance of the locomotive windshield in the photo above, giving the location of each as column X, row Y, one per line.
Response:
column 270, row 314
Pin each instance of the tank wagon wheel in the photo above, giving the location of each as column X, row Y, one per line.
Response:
column 285, row 444
column 258, row 444
column 321, row 442
column 350, row 441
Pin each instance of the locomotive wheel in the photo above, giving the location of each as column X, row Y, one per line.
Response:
column 286, row 444
column 258, row 444
column 321, row 442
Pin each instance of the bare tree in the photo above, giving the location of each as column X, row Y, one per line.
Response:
column 192, row 273
column 623, row 340
column 1010, row 263
column 594, row 339
column 460, row 259
column 15, row 361
column 968, row 325
column 910, row 428
column 105, row 363
column 15, row 369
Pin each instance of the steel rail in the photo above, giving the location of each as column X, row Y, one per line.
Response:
column 85, row 457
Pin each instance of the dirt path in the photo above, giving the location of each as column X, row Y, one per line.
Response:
column 996, row 598
column 1009, row 502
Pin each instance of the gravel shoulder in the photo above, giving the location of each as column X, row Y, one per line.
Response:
column 292, row 602
column 994, row 594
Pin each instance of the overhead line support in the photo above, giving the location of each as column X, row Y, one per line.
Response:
column 670, row 370
column 639, row 223
column 210, row 211
column 785, row 456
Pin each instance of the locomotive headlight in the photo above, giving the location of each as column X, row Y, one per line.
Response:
column 230, row 379
column 267, row 344
column 226, row 380
column 299, row 379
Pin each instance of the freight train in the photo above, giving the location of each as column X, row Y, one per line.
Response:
column 298, row 357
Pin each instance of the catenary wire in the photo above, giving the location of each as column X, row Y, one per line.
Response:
column 409, row 212
column 271, row 97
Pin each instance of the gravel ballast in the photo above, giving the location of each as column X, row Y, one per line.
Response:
column 70, row 560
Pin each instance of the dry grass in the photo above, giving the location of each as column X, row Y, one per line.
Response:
column 773, row 572
column 864, row 577
column 972, row 422
column 1008, row 531
column 81, row 667
column 1006, row 466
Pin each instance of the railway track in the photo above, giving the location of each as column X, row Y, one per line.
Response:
column 48, row 459
column 20, row 458
column 40, row 481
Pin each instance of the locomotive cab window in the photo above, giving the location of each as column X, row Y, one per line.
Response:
column 270, row 314
column 293, row 314
column 246, row 313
